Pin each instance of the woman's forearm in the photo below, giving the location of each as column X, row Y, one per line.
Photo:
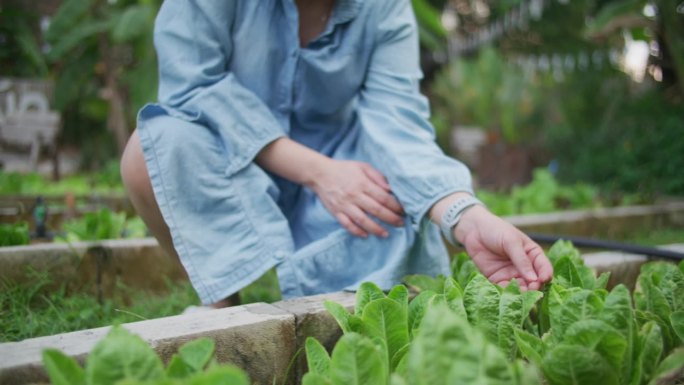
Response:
column 292, row 161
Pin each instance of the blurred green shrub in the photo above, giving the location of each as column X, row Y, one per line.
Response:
column 16, row 234
column 601, row 126
column 106, row 181
column 488, row 93
column 618, row 135
column 543, row 194
column 101, row 225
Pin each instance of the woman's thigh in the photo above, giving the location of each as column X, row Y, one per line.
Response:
column 226, row 229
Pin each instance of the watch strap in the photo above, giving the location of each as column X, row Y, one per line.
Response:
column 453, row 214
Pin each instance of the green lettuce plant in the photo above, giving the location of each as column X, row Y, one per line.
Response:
column 463, row 329
column 101, row 225
column 125, row 359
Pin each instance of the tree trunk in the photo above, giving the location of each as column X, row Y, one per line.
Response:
column 672, row 24
column 116, row 120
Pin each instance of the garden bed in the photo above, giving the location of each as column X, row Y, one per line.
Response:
column 103, row 268
column 261, row 339
column 60, row 208
column 100, row 264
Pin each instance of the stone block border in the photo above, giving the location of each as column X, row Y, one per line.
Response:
column 260, row 338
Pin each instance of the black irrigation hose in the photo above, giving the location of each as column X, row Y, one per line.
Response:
column 611, row 245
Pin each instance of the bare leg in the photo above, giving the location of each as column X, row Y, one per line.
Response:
column 137, row 181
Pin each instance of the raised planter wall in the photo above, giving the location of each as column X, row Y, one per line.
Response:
column 262, row 339
column 16, row 208
column 611, row 223
column 94, row 266
column 99, row 265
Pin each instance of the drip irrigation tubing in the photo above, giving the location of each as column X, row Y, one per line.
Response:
column 609, row 245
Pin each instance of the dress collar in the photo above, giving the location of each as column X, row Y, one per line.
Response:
column 345, row 10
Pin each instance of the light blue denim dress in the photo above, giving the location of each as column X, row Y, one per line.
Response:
column 233, row 79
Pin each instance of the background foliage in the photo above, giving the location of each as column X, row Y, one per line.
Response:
column 98, row 53
column 597, row 123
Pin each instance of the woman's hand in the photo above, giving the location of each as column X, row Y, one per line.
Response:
column 501, row 251
column 355, row 191
column 349, row 190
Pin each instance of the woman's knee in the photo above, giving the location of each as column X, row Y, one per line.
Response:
column 133, row 169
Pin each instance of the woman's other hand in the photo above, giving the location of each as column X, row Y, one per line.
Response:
column 354, row 192
column 351, row 191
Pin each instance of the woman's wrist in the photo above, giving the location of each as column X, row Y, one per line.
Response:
column 314, row 174
column 464, row 203
column 293, row 161
column 442, row 205
column 468, row 222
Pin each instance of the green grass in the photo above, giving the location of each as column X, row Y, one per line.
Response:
column 264, row 289
column 32, row 310
column 660, row 237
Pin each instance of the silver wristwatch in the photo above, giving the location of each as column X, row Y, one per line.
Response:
column 453, row 215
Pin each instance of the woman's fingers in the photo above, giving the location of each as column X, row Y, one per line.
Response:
column 348, row 224
column 371, row 206
column 541, row 264
column 363, row 221
column 504, row 274
column 514, row 248
column 356, row 193
column 375, row 176
column 384, row 198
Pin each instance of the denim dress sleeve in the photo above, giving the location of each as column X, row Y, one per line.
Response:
column 194, row 45
column 394, row 115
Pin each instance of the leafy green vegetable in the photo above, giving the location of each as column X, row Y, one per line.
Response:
column 62, row 369
column 617, row 312
column 575, row 365
column 123, row 356
column 677, row 322
column 671, row 369
column 197, row 354
column 315, row 379
column 366, row 293
column 36, row 184
column 356, row 360
column 340, row 314
column 422, row 283
column 447, row 350
column 531, row 346
column 125, row 359
column 386, row 320
column 648, row 353
column 416, row 309
column 453, row 295
column 660, row 294
column 481, row 300
column 574, row 332
column 463, row 269
column 317, row 357
column 103, row 224
column 400, row 294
